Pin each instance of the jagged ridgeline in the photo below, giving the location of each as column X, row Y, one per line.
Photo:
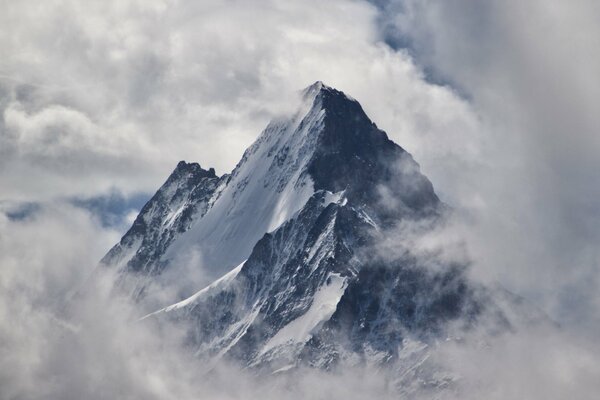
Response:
column 284, row 249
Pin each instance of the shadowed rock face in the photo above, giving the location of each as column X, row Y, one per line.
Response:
column 313, row 289
column 354, row 155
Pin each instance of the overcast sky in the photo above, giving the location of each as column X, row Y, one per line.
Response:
column 497, row 100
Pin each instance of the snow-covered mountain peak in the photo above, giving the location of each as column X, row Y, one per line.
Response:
column 310, row 92
column 201, row 226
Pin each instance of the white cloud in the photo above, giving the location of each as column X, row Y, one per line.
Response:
column 528, row 69
column 118, row 92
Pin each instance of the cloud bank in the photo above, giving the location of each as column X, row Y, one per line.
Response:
column 114, row 94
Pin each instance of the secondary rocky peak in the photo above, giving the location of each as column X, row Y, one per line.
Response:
column 193, row 168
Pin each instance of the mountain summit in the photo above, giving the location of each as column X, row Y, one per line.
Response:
column 287, row 249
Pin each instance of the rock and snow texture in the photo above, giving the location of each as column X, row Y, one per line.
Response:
column 324, row 304
column 202, row 225
column 186, row 196
column 291, row 235
column 265, row 189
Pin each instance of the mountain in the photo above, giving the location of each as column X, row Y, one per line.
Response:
column 288, row 250
column 201, row 226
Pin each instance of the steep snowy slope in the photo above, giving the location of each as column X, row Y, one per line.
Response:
column 268, row 185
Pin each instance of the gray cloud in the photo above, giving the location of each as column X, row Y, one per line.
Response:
column 527, row 69
column 90, row 347
column 114, row 95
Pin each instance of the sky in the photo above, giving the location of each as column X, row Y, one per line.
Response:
column 496, row 100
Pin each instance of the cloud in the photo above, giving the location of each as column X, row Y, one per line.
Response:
column 61, row 339
column 533, row 363
column 115, row 93
column 532, row 188
column 58, row 345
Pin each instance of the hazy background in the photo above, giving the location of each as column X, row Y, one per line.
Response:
column 496, row 100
